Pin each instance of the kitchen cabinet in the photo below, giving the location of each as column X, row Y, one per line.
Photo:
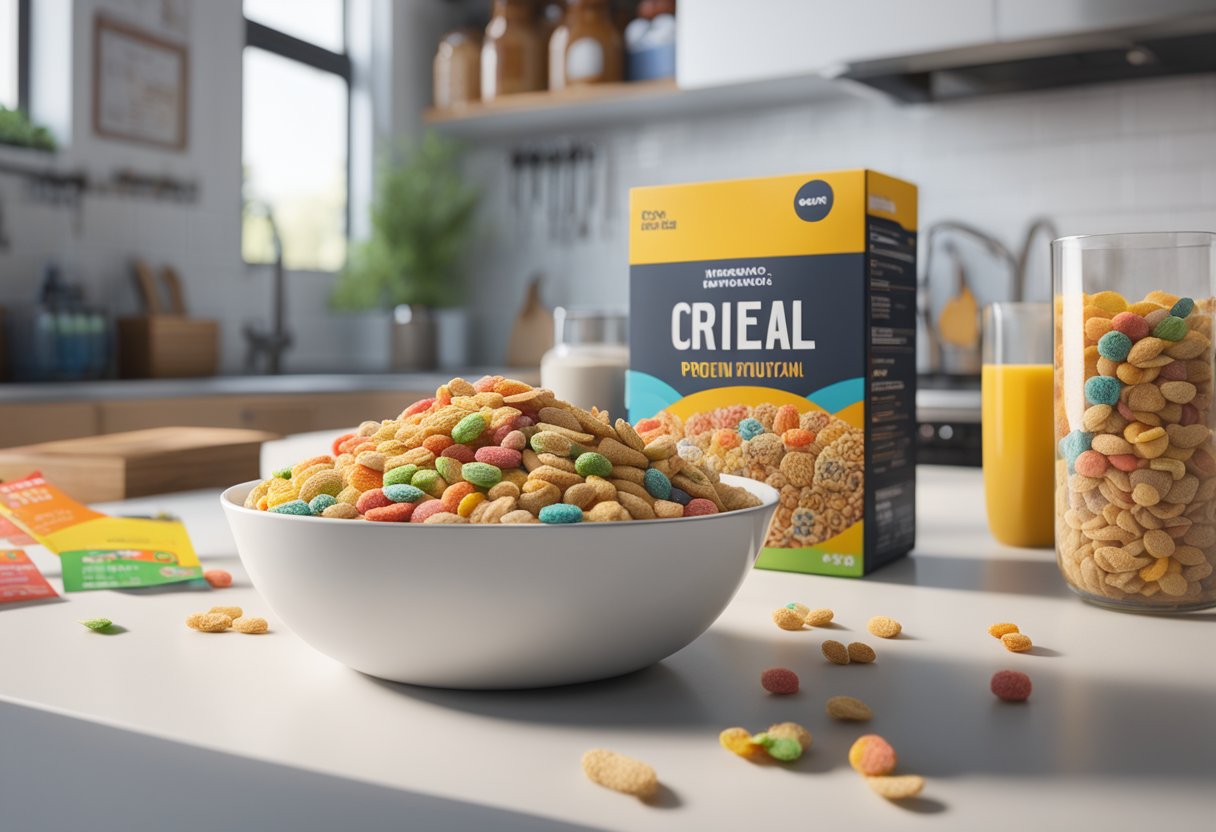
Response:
column 727, row 42
column 27, row 424
column 1023, row 19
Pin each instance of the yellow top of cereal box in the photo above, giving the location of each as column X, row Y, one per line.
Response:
column 804, row 213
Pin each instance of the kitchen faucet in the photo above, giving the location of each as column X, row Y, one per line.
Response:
column 275, row 342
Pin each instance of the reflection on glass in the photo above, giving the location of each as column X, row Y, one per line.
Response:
column 295, row 140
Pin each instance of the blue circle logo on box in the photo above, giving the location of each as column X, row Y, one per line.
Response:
column 813, row 201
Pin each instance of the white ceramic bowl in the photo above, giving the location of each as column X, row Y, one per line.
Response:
column 498, row 606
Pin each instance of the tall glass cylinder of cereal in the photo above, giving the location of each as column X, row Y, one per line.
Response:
column 1135, row 462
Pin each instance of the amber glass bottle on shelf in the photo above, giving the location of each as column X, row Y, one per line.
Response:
column 512, row 53
column 587, row 48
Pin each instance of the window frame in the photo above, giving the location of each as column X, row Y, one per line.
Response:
column 277, row 42
column 23, row 55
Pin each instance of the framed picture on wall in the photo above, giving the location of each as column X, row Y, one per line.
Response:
column 140, row 85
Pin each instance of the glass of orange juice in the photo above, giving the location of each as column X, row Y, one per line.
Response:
column 1019, row 455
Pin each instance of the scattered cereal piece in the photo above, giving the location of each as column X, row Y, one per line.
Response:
column 218, row 578
column 209, row 622
column 835, row 652
column 819, row 617
column 884, row 627
column 98, row 623
column 620, row 773
column 898, row 787
column 784, row 749
column 779, row 680
column 872, row 756
column 1011, row 685
column 801, row 609
column 252, row 625
column 787, row 619
column 232, row 612
column 791, row 731
column 739, row 741
column 1016, row 642
column 1002, row 629
column 861, row 653
column 848, row 708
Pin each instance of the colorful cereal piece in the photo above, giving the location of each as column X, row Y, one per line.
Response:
column 1020, row 643
column 454, row 493
column 656, row 483
column 779, row 680
column 460, row 452
column 218, row 578
column 1170, row 328
column 375, row 498
column 1182, row 308
column 861, row 653
column 784, row 749
column 481, row 474
column 1103, row 390
column 283, row 473
column 1091, row 464
column 319, row 503
column 364, row 478
column 897, row 787
column 620, row 773
column 1075, row 444
column 1130, row 324
column 448, row 468
column 298, row 508
column 394, row 512
column 802, row 609
column 739, row 741
column 788, row 619
column 1002, row 629
column 469, row 428
column 749, row 428
column 1011, row 685
column 400, row 474
column 402, row 493
column 429, row 482
column 437, row 443
column 469, row 502
column 791, row 731
column 250, row 625
column 679, row 495
column 558, row 513
column 699, row 507
column 591, row 464
column 884, row 627
column 1114, row 345
column 872, row 756
column 499, row 457
column 97, row 624
column 209, row 622
column 835, row 652
column 849, row 709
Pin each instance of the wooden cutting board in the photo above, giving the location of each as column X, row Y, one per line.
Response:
column 138, row 463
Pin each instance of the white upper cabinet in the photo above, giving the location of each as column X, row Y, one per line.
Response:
column 727, row 41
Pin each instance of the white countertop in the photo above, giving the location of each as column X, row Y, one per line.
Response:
column 160, row 727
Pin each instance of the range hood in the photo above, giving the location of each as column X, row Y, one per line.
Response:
column 1177, row 47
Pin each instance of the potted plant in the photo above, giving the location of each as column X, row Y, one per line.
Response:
column 422, row 218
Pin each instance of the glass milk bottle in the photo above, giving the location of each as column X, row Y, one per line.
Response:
column 1135, row 462
column 587, row 363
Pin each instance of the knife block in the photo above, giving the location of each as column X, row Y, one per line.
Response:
column 167, row 346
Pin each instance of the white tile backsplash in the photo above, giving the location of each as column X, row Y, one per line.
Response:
column 1117, row 157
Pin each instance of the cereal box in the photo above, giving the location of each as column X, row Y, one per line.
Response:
column 773, row 334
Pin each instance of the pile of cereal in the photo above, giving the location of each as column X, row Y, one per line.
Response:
column 498, row 451
column 814, row 459
column 1136, row 490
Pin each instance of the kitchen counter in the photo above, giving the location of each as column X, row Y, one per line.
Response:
column 158, row 727
column 68, row 391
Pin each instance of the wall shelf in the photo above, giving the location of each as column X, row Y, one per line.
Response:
column 609, row 105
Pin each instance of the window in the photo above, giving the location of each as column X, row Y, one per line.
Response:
column 296, row 132
column 14, row 54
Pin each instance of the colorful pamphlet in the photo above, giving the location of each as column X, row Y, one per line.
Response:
column 20, row 579
column 98, row 551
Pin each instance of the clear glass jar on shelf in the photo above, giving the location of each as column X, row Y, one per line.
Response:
column 1135, row 459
